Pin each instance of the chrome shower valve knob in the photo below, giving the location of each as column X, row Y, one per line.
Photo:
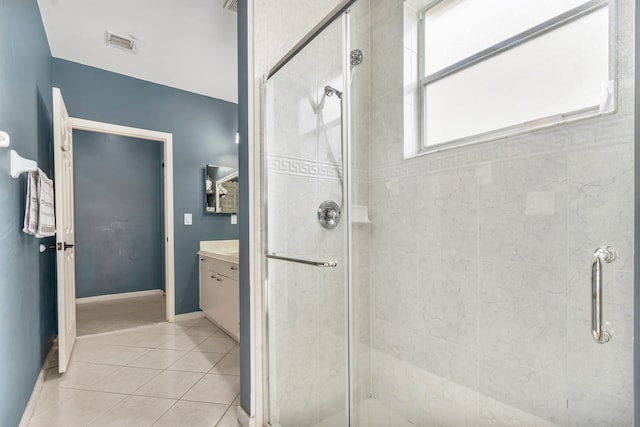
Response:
column 329, row 214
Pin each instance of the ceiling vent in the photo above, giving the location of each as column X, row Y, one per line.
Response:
column 231, row 5
column 121, row 42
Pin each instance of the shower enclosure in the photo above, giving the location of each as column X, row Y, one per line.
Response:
column 424, row 270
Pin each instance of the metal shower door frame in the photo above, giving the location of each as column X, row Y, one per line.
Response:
column 341, row 11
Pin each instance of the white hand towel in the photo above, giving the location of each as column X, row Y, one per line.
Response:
column 31, row 208
column 46, row 212
column 39, row 213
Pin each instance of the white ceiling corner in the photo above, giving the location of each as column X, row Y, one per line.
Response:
column 185, row 44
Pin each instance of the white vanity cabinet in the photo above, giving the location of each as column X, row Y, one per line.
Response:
column 219, row 289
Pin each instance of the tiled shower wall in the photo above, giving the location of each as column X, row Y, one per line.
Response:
column 480, row 261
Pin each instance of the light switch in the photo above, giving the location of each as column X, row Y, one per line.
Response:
column 234, row 219
column 188, row 219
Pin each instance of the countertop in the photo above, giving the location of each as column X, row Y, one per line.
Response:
column 225, row 250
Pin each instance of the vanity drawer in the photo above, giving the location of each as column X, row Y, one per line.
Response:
column 223, row 268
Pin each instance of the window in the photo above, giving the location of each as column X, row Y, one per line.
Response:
column 491, row 68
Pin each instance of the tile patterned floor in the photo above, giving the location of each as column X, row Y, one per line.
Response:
column 116, row 315
column 167, row 374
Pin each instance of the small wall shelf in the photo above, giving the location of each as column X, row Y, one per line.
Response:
column 360, row 214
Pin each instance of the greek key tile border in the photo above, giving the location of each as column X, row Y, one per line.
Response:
column 310, row 168
column 611, row 130
column 302, row 167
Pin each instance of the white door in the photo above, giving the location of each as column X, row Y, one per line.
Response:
column 65, row 252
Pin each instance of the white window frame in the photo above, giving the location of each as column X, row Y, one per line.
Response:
column 501, row 47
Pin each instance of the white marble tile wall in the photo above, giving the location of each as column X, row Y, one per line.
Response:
column 480, row 261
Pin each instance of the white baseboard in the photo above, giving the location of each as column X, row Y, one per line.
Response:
column 124, row 295
column 37, row 388
column 189, row 316
column 244, row 419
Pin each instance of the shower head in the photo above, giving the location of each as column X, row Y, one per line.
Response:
column 329, row 91
column 356, row 58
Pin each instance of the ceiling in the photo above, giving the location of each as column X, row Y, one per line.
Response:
column 186, row 44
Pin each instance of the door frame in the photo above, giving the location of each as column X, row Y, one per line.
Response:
column 166, row 139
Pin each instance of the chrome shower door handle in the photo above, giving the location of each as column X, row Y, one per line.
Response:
column 303, row 261
column 604, row 254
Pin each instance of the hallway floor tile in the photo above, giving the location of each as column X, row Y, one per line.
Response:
column 166, row 374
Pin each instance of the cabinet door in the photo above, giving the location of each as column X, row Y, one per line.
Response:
column 225, row 309
column 206, row 286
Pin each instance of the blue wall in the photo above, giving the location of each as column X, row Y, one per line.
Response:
column 118, row 214
column 27, row 282
column 243, row 210
column 203, row 131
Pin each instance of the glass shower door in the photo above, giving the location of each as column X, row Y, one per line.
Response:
column 469, row 286
column 492, row 292
column 306, row 234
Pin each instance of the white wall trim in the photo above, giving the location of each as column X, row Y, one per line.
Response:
column 167, row 141
column 244, row 419
column 37, row 388
column 257, row 313
column 189, row 316
column 124, row 295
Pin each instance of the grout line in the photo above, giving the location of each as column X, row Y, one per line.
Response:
column 192, row 385
column 146, row 382
column 165, row 412
column 225, row 412
column 93, row 391
column 209, row 402
column 168, row 370
column 117, row 331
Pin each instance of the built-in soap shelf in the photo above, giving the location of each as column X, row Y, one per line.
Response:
column 19, row 165
column 360, row 214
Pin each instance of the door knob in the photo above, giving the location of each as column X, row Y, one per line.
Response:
column 65, row 247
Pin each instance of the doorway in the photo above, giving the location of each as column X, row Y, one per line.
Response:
column 119, row 232
column 130, row 305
